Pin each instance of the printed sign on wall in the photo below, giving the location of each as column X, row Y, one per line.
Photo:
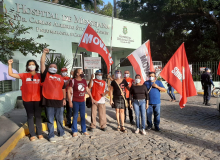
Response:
column 92, row 62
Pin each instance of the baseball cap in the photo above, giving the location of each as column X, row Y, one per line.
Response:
column 64, row 69
column 98, row 72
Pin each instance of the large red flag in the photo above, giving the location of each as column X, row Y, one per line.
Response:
column 218, row 72
column 91, row 41
column 141, row 61
column 177, row 74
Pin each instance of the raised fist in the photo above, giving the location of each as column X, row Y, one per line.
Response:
column 92, row 76
column 46, row 50
column 10, row 61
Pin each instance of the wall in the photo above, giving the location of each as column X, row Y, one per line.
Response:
column 7, row 101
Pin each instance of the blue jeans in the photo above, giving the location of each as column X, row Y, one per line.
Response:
column 153, row 108
column 58, row 114
column 140, row 108
column 79, row 107
column 172, row 95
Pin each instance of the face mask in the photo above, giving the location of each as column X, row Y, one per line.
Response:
column 152, row 78
column 137, row 80
column 82, row 75
column 126, row 75
column 64, row 74
column 99, row 77
column 32, row 67
column 52, row 70
column 118, row 75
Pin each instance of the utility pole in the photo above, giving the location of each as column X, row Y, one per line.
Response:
column 95, row 6
column 115, row 9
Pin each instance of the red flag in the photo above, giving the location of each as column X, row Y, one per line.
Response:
column 91, row 41
column 141, row 61
column 177, row 74
column 218, row 72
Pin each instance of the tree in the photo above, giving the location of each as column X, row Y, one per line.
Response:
column 11, row 39
column 171, row 22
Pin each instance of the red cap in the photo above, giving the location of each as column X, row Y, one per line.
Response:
column 63, row 69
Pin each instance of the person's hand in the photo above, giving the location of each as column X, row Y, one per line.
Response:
column 64, row 102
column 71, row 104
column 92, row 76
column 10, row 61
column 147, row 106
column 111, row 102
column 213, row 87
column 155, row 85
column 46, row 50
column 131, row 106
column 103, row 94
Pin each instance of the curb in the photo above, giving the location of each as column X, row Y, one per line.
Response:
column 10, row 144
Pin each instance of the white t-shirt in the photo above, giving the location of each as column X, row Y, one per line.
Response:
column 102, row 100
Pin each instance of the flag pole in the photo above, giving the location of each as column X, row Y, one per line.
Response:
column 111, row 35
column 119, row 63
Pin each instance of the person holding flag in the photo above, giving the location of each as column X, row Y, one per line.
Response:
column 99, row 89
column 68, row 109
column 155, row 87
column 31, row 95
column 130, row 82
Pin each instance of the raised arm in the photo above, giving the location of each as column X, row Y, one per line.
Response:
column 90, row 82
column 43, row 58
column 10, row 71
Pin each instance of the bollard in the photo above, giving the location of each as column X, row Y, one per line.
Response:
column 19, row 103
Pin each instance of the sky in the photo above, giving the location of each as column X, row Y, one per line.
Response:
column 106, row 1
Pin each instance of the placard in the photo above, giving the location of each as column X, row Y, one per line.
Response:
column 92, row 62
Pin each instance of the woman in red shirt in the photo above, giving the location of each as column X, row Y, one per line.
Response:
column 77, row 100
column 31, row 95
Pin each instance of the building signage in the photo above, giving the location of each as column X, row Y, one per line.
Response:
column 123, row 38
column 92, row 62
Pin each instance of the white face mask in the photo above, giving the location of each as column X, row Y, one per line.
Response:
column 152, row 78
column 126, row 75
column 118, row 75
column 52, row 70
column 32, row 67
column 137, row 81
column 98, row 77
column 64, row 74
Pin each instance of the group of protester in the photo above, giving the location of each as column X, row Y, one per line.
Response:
column 55, row 91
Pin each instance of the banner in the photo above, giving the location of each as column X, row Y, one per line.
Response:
column 91, row 41
column 141, row 61
column 177, row 74
column 4, row 73
column 218, row 72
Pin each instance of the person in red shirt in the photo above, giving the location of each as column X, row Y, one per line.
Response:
column 31, row 95
column 130, row 82
column 76, row 97
column 99, row 89
column 54, row 97
column 68, row 109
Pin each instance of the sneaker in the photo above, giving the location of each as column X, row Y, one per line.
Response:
column 143, row 132
column 132, row 123
column 104, row 129
column 137, row 131
column 157, row 129
column 32, row 139
column 75, row 134
column 40, row 137
column 53, row 140
column 65, row 136
column 86, row 134
column 90, row 129
column 148, row 128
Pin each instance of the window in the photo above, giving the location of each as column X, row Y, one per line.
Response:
column 9, row 85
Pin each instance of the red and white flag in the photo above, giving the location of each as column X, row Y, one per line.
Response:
column 177, row 74
column 91, row 41
column 141, row 61
column 218, row 72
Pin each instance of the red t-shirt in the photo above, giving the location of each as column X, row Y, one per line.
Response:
column 79, row 90
column 130, row 81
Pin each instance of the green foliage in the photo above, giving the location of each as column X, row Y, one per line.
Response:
column 59, row 61
column 172, row 22
column 11, row 38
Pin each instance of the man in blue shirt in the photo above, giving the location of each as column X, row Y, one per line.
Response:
column 154, row 87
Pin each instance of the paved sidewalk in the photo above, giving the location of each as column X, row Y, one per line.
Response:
column 189, row 133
